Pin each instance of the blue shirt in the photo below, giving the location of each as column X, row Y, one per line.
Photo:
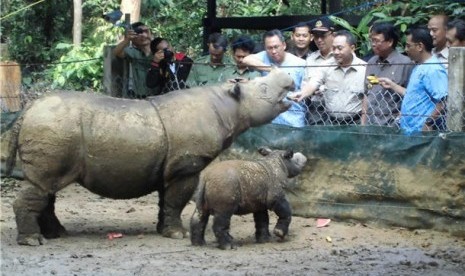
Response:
column 427, row 86
column 295, row 115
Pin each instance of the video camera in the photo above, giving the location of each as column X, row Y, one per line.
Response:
column 113, row 16
column 168, row 55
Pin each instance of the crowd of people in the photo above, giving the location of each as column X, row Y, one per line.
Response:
column 399, row 88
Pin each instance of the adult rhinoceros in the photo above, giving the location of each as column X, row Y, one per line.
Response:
column 121, row 149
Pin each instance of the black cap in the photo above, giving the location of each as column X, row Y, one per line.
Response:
column 323, row 24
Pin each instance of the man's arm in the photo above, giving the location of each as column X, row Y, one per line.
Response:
column 364, row 109
column 389, row 84
column 437, row 112
column 306, row 91
column 254, row 61
column 119, row 49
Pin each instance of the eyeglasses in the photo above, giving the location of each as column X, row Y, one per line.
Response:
column 376, row 42
column 274, row 47
column 408, row 45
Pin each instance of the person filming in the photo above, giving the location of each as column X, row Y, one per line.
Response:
column 168, row 70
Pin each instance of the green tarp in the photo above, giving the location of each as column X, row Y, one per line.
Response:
column 371, row 174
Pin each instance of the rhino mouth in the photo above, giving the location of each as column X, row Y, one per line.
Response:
column 285, row 102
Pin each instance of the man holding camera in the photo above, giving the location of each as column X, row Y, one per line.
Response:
column 169, row 70
column 135, row 47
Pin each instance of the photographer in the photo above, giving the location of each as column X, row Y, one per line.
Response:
column 168, row 70
column 135, row 47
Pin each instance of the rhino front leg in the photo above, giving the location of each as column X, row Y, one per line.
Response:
column 262, row 220
column 221, row 225
column 198, row 224
column 28, row 206
column 176, row 196
column 161, row 211
column 50, row 226
column 282, row 208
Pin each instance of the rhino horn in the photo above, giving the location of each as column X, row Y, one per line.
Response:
column 235, row 91
column 264, row 151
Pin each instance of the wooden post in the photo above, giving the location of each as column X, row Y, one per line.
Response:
column 456, row 97
column 10, row 86
column 114, row 73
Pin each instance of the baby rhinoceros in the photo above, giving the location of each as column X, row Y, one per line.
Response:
column 242, row 187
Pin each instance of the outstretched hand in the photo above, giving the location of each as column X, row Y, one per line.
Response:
column 386, row 82
column 295, row 96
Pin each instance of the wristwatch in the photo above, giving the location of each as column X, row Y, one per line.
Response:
column 429, row 121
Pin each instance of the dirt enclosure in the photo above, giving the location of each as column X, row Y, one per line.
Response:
column 341, row 248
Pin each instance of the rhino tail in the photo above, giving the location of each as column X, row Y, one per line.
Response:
column 11, row 138
column 199, row 195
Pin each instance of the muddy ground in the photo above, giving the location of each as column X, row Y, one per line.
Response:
column 341, row 248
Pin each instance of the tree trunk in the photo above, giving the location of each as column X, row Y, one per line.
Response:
column 132, row 7
column 77, row 23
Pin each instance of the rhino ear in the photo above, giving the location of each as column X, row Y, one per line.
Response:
column 264, row 151
column 235, row 91
column 289, row 153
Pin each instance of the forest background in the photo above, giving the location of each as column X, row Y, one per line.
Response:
column 59, row 43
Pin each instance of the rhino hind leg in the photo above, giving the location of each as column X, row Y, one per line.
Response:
column 262, row 220
column 282, row 208
column 50, row 226
column 28, row 206
column 198, row 224
column 221, row 225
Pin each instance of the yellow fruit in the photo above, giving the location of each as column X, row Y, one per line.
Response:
column 372, row 79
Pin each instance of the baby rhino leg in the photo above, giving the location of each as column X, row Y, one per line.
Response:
column 28, row 206
column 221, row 225
column 262, row 220
column 282, row 208
column 198, row 224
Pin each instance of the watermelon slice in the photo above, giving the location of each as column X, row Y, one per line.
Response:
column 322, row 222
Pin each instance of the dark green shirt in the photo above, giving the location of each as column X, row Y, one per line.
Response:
column 140, row 64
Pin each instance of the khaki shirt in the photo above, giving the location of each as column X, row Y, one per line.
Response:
column 342, row 88
column 203, row 73
column 315, row 62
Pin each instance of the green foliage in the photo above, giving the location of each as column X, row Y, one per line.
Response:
column 41, row 36
column 82, row 67
column 178, row 21
column 32, row 32
column 403, row 14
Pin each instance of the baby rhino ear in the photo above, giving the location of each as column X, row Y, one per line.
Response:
column 289, row 153
column 264, row 151
column 235, row 91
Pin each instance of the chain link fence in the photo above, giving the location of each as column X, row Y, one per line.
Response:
column 14, row 96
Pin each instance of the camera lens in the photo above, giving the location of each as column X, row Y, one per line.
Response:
column 168, row 54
